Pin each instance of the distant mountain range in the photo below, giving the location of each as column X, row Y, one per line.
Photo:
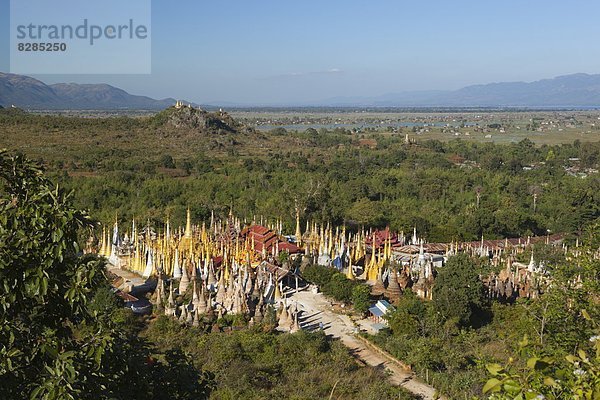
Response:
column 29, row 93
column 569, row 91
column 576, row 90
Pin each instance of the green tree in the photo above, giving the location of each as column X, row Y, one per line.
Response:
column 54, row 342
column 547, row 377
column 409, row 316
column 339, row 287
column 458, row 290
column 367, row 212
column 44, row 285
column 361, row 298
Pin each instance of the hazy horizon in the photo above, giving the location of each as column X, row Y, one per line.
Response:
column 279, row 53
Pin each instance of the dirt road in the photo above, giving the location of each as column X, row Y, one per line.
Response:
column 317, row 312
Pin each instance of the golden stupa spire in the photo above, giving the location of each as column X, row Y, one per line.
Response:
column 203, row 235
column 277, row 291
column 103, row 245
column 372, row 261
column 168, row 229
column 191, row 248
column 108, row 249
column 349, row 273
column 387, row 248
column 298, row 232
column 226, row 271
column 188, row 225
column 373, row 267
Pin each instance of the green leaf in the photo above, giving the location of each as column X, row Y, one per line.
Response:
column 510, row 386
column 539, row 364
column 586, row 315
column 67, row 354
column 44, row 285
column 494, row 369
column 98, row 355
column 35, row 392
column 549, row 381
column 531, row 362
column 492, row 386
column 70, row 372
column 51, row 351
column 572, row 359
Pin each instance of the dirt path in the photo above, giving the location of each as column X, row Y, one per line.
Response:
column 317, row 309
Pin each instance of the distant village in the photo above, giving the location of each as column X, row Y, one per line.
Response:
column 456, row 123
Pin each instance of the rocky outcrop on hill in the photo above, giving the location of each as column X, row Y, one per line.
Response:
column 195, row 119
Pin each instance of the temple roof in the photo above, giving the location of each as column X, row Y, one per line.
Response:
column 381, row 237
column 265, row 238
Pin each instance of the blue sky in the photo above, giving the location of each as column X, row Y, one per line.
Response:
column 281, row 52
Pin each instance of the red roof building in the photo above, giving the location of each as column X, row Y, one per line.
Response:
column 266, row 239
column 383, row 236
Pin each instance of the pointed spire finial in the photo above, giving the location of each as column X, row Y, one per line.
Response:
column 188, row 225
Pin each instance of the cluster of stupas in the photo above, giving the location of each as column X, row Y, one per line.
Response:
column 517, row 280
column 236, row 292
column 234, row 267
column 230, row 244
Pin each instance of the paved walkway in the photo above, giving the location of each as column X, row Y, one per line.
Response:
column 128, row 276
column 317, row 309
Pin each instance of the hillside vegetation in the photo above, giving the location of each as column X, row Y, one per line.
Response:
column 153, row 166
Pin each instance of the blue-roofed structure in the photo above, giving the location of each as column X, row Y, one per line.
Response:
column 379, row 310
column 376, row 312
